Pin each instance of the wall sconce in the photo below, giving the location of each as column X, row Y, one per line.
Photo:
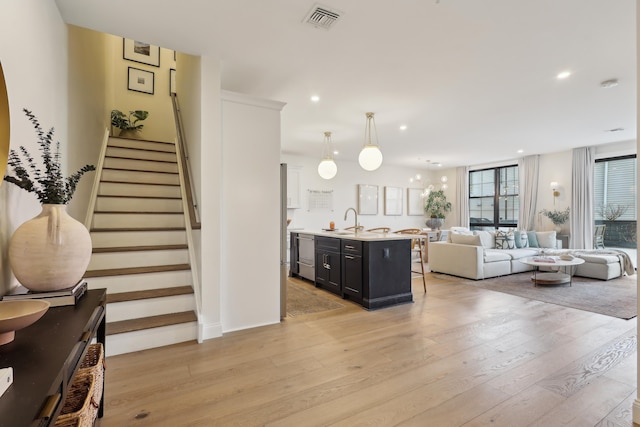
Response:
column 554, row 187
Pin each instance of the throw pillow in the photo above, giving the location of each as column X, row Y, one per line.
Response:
column 458, row 230
column 487, row 238
column 465, row 239
column 521, row 239
column 533, row 240
column 505, row 240
column 546, row 239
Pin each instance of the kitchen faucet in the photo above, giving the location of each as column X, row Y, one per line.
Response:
column 356, row 214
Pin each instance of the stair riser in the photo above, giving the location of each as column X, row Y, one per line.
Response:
column 150, row 338
column 138, row 190
column 140, row 165
column 137, row 238
column 127, row 220
column 113, row 260
column 120, row 204
column 142, row 145
column 141, row 282
column 140, row 177
column 139, row 154
column 150, row 307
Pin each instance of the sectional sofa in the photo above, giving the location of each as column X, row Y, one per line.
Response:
column 483, row 254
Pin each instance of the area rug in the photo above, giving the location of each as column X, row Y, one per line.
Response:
column 302, row 301
column 616, row 297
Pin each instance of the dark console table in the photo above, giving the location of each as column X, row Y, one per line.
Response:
column 45, row 356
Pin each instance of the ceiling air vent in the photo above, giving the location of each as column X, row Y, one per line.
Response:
column 322, row 17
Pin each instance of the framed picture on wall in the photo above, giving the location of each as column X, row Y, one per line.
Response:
column 392, row 201
column 367, row 199
column 172, row 81
column 142, row 52
column 414, row 201
column 140, row 80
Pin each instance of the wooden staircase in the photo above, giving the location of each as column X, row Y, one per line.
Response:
column 140, row 252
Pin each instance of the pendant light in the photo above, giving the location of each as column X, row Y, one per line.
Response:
column 327, row 168
column 370, row 157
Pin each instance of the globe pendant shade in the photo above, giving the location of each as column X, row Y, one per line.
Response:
column 370, row 157
column 327, row 169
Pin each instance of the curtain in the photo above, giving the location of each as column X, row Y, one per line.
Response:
column 582, row 199
column 462, row 193
column 528, row 192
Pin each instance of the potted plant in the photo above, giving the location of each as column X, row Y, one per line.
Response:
column 52, row 250
column 435, row 207
column 128, row 124
column 557, row 217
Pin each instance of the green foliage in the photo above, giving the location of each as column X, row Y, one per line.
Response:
column 130, row 122
column 557, row 217
column 437, row 205
column 49, row 185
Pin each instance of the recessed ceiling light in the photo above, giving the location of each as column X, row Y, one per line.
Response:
column 336, row 152
column 315, row 98
column 563, row 75
column 403, row 127
column 520, row 151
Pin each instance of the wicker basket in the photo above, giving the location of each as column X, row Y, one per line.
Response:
column 93, row 363
column 79, row 404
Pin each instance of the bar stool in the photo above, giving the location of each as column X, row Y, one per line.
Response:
column 416, row 247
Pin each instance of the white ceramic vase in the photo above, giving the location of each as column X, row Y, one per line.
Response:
column 51, row 251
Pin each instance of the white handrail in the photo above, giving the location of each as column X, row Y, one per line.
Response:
column 96, row 181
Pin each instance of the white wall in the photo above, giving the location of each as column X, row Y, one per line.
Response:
column 345, row 194
column 250, row 292
column 33, row 53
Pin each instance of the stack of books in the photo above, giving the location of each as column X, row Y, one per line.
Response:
column 544, row 259
column 62, row 297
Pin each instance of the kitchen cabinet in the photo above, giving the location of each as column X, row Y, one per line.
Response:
column 352, row 270
column 328, row 264
column 294, row 187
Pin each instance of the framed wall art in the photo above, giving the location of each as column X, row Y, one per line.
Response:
column 172, row 81
column 144, row 53
column 140, row 80
column 392, row 201
column 367, row 199
column 414, row 201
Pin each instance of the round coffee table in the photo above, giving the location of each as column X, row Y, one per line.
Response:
column 551, row 278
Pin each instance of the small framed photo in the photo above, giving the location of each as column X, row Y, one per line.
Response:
column 140, row 80
column 392, row 201
column 367, row 199
column 414, row 201
column 144, row 53
column 172, row 81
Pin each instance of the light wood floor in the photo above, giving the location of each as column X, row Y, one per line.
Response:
column 459, row 356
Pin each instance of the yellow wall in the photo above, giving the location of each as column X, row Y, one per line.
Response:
column 160, row 125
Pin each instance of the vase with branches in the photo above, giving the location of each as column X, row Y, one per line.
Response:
column 558, row 217
column 52, row 250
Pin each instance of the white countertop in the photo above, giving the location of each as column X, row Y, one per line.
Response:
column 360, row 235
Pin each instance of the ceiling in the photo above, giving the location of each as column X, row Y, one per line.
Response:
column 473, row 80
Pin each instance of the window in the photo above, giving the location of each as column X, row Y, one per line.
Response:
column 493, row 197
column 615, row 189
column 614, row 200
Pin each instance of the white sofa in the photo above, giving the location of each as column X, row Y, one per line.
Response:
column 476, row 257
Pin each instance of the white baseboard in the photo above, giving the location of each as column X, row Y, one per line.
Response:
column 209, row 331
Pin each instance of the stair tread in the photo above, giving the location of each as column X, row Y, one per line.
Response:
column 150, row 322
column 124, row 196
column 139, row 183
column 135, row 270
column 103, row 230
column 149, row 293
column 171, row 162
column 138, row 248
column 150, row 150
column 142, row 140
column 141, row 171
column 139, row 212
